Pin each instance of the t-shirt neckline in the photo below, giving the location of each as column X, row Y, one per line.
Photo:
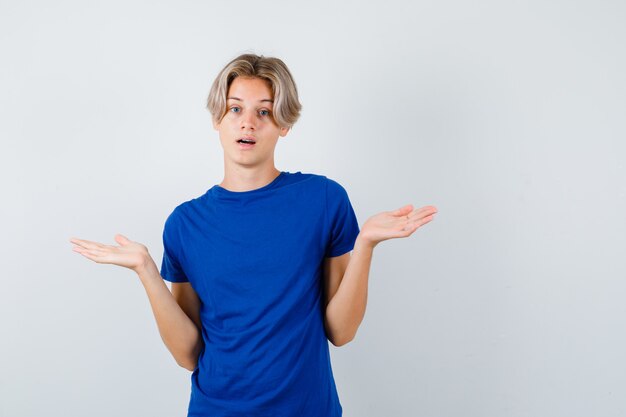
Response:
column 221, row 191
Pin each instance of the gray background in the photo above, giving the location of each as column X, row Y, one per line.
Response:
column 507, row 116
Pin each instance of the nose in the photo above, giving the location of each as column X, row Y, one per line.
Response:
column 248, row 121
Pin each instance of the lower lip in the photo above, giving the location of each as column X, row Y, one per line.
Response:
column 245, row 145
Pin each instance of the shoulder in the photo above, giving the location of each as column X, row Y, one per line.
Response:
column 332, row 185
column 330, row 189
column 184, row 209
column 303, row 182
column 334, row 189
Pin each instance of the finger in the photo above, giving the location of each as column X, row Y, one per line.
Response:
column 411, row 226
column 81, row 241
column 423, row 211
column 421, row 221
column 95, row 255
column 403, row 211
column 426, row 209
column 427, row 219
column 121, row 239
column 86, row 243
column 84, row 251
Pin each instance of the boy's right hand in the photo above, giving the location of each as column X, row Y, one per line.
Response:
column 129, row 254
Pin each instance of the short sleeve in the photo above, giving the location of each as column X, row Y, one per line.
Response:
column 171, row 269
column 342, row 221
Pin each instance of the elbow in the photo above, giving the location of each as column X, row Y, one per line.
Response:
column 189, row 360
column 187, row 364
column 339, row 337
column 341, row 341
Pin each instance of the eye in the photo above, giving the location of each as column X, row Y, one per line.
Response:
column 235, row 108
column 264, row 112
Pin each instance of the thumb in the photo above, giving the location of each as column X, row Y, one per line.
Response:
column 403, row 210
column 121, row 239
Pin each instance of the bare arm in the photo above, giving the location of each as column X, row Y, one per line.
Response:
column 346, row 277
column 346, row 282
column 179, row 332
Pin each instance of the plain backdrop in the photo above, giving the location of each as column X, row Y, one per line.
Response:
column 508, row 116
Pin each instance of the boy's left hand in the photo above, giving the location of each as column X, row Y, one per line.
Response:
column 395, row 224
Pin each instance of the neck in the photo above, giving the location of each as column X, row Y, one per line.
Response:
column 240, row 179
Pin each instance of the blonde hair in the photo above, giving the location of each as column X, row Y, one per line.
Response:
column 286, row 108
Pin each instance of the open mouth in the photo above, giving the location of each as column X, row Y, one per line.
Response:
column 246, row 141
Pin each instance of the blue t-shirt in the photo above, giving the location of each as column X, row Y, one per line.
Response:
column 255, row 260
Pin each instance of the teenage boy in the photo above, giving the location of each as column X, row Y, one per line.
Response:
column 260, row 266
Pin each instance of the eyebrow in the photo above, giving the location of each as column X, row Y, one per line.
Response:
column 237, row 98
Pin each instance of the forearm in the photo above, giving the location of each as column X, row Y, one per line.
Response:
column 346, row 309
column 179, row 333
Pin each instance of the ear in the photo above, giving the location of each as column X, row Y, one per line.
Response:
column 215, row 124
column 283, row 131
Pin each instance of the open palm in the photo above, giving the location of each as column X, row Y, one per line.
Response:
column 396, row 224
column 129, row 254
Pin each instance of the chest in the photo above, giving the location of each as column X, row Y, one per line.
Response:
column 252, row 252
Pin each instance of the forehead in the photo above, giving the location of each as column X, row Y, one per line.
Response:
column 250, row 89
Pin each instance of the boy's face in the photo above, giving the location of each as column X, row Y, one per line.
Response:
column 249, row 115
